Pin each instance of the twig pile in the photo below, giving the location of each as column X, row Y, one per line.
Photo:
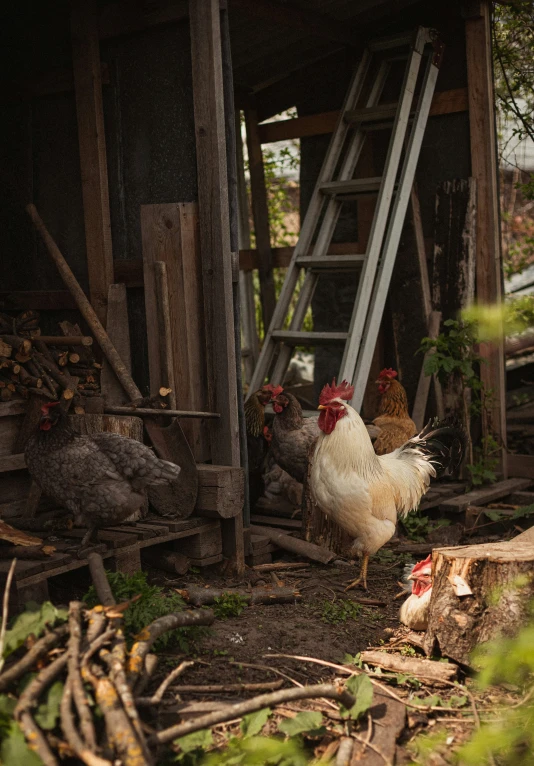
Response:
column 50, row 366
column 89, row 654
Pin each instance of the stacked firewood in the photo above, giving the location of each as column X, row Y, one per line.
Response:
column 51, row 366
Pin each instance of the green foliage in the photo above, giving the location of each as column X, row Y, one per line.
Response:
column 417, row 527
column 453, row 353
column 307, row 721
column 252, row 724
column 485, row 462
column 336, row 612
column 492, row 321
column 7, row 706
column 423, row 746
column 229, row 605
column 47, row 713
column 154, row 602
column 258, row 751
column 519, row 513
column 32, row 622
column 15, row 752
column 192, row 745
column 361, row 689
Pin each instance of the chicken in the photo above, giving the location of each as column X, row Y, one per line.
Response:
column 100, row 478
column 258, row 439
column 414, row 611
column 394, row 423
column 363, row 492
column 279, row 485
column 293, row 435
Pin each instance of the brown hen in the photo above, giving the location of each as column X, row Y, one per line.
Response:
column 394, row 422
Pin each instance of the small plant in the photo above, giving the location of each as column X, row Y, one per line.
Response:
column 154, row 602
column 229, row 605
column 336, row 612
column 485, row 462
column 417, row 527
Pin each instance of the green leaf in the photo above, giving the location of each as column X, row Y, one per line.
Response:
column 32, row 622
column 362, row 689
column 253, row 723
column 306, row 721
column 197, row 740
column 15, row 751
column 48, row 712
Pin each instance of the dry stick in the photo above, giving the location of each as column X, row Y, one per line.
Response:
column 202, row 596
column 151, row 663
column 295, row 545
column 152, row 411
column 100, row 580
column 162, row 688
column 280, row 566
column 74, row 678
column 276, row 671
column 87, row 311
column 28, row 699
column 156, row 629
column 71, row 735
column 251, row 706
column 38, row 650
column 96, row 619
column 5, row 609
column 344, row 753
column 67, row 340
column 229, row 688
column 95, row 647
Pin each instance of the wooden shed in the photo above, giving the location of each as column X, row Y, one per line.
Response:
column 119, row 125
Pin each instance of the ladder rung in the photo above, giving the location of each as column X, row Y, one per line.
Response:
column 331, row 261
column 296, row 338
column 372, row 114
column 354, row 186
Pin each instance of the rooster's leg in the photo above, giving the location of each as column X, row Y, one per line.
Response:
column 362, row 579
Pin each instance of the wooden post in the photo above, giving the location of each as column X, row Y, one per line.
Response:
column 208, row 102
column 260, row 212
column 92, row 142
column 484, row 170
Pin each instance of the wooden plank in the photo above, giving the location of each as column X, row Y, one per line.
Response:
column 260, row 213
column 92, row 142
column 208, row 102
column 176, row 526
column 12, row 463
column 445, row 102
column 521, row 465
column 119, row 334
column 484, row 170
column 484, row 495
column 277, row 521
column 169, row 234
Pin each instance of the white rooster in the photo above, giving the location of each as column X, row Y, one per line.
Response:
column 414, row 611
column 364, row 492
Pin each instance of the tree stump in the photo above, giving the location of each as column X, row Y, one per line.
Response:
column 478, row 593
column 124, row 425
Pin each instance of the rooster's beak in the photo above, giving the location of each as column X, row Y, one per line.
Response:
column 321, row 407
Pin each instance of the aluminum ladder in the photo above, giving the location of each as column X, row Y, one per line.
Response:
column 334, row 183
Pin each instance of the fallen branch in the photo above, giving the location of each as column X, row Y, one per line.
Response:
column 162, row 688
column 100, row 581
column 251, row 706
column 71, row 735
column 149, row 635
column 228, row 688
column 203, row 596
column 75, row 683
column 281, row 565
column 295, row 545
column 430, row 670
column 5, row 610
column 38, row 650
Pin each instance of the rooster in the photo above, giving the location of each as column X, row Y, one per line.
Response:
column 258, row 438
column 100, row 478
column 363, row 492
column 394, row 423
column 292, row 435
column 414, row 611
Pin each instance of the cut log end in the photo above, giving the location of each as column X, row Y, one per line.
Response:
column 478, row 593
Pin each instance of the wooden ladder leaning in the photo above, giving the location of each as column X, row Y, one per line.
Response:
column 336, row 185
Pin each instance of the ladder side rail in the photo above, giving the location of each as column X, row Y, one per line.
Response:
column 394, row 234
column 308, row 227
column 376, row 236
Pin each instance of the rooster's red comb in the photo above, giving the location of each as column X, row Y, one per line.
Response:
column 46, row 407
column 389, row 373
column 422, row 565
column 343, row 391
column 275, row 390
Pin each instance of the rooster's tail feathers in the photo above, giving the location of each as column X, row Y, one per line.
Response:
column 445, row 444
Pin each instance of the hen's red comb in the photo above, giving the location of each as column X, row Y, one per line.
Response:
column 422, row 565
column 343, row 391
column 275, row 390
column 389, row 373
column 46, row 407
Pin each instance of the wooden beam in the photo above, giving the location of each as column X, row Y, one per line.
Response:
column 446, row 102
column 521, row 465
column 92, row 142
column 117, row 19
column 307, row 22
column 484, row 170
column 260, row 213
column 208, row 103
